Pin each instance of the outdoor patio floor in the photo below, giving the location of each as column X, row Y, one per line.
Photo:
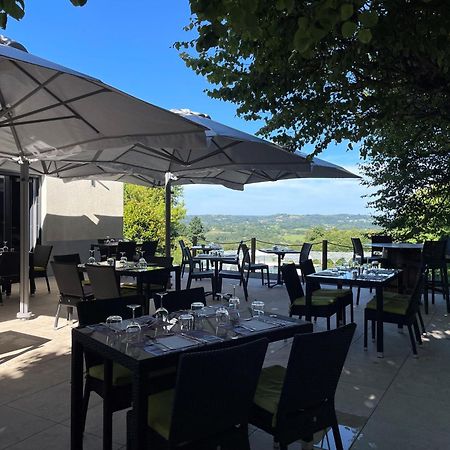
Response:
column 392, row 403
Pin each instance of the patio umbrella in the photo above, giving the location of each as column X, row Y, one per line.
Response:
column 50, row 115
column 231, row 158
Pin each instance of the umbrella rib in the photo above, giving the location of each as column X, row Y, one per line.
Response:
column 164, row 154
column 55, row 96
column 30, row 122
column 9, row 109
column 55, row 105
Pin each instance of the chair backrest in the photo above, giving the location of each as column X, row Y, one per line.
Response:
column 312, row 374
column 304, row 251
column 292, row 282
column 414, row 302
column 68, row 279
column 202, row 406
column 128, row 247
column 307, row 268
column 433, row 254
column 162, row 261
column 181, row 300
column 10, row 265
column 148, row 248
column 104, row 281
column 73, row 258
column 97, row 311
column 358, row 252
column 41, row 255
column 379, row 239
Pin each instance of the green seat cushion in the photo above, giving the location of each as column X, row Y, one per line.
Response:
column 39, row 269
column 268, row 391
column 331, row 292
column 159, row 415
column 128, row 286
column 393, row 306
column 315, row 301
column 120, row 376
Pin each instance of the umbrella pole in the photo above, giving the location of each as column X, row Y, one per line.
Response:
column 168, row 201
column 24, row 292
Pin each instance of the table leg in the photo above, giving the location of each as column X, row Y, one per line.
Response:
column 138, row 421
column 380, row 344
column 107, row 405
column 76, row 394
column 279, row 270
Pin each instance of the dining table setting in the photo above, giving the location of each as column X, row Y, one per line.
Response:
column 148, row 343
column 363, row 276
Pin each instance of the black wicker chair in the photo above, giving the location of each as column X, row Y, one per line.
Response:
column 251, row 267
column 180, row 300
column 127, row 247
column 434, row 260
column 38, row 268
column 148, row 248
column 344, row 297
column 9, row 272
column 241, row 274
column 304, row 256
column 400, row 310
column 194, row 415
column 297, row 401
column 105, row 282
column 71, row 289
column 198, row 274
column 320, row 306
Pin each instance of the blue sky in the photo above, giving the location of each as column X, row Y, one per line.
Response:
column 129, row 47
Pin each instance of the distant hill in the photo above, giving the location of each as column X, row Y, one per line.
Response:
column 285, row 228
column 341, row 221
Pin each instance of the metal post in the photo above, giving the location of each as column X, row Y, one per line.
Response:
column 324, row 254
column 168, row 200
column 253, row 250
column 24, row 289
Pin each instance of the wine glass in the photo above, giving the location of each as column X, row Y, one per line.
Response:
column 123, row 259
column 113, row 322
column 5, row 246
column 91, row 259
column 107, row 241
column 133, row 326
column 142, row 263
column 161, row 313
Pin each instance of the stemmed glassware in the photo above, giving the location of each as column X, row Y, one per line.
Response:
column 5, row 246
column 142, row 263
column 91, row 259
column 123, row 259
column 161, row 313
column 133, row 326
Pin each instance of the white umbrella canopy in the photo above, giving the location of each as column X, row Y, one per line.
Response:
column 53, row 119
column 231, row 158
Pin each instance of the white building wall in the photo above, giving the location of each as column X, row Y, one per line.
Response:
column 75, row 214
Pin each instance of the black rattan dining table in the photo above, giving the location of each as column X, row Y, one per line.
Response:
column 145, row 356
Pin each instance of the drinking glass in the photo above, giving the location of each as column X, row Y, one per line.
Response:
column 5, row 246
column 133, row 326
column 257, row 308
column 233, row 310
column 110, row 261
column 112, row 321
column 107, row 241
column 142, row 263
column 222, row 320
column 91, row 259
column 186, row 322
column 161, row 313
column 197, row 306
column 123, row 259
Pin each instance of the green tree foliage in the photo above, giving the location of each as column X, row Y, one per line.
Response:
column 16, row 9
column 144, row 213
column 195, row 230
column 412, row 185
column 319, row 71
